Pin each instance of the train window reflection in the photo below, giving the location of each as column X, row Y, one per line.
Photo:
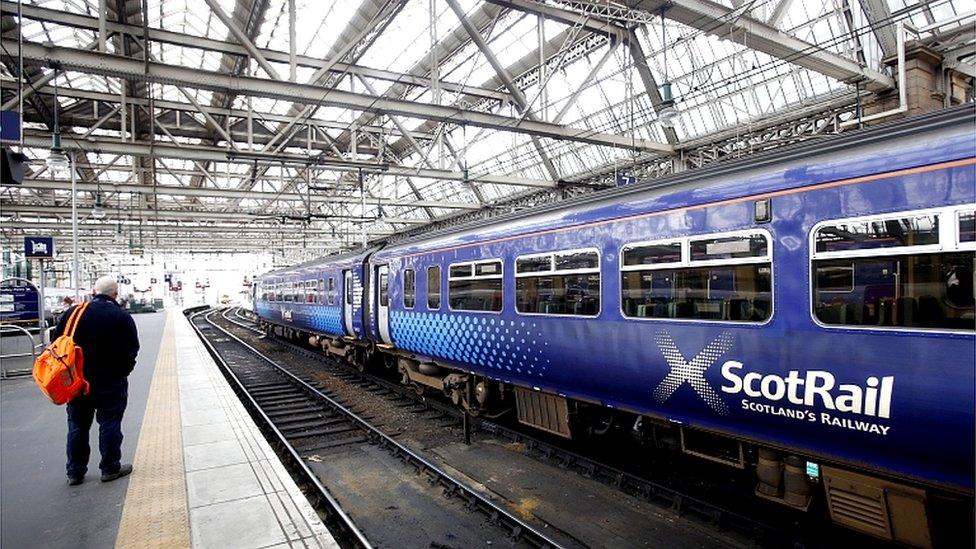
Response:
column 736, row 293
column 560, row 283
column 730, row 247
column 475, row 286
column 916, row 230
column 934, row 290
column 434, row 287
column 967, row 226
column 385, row 290
column 652, row 254
column 409, row 288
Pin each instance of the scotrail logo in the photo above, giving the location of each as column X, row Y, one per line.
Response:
column 693, row 372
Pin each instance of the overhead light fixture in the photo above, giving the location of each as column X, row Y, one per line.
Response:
column 98, row 212
column 668, row 113
column 56, row 160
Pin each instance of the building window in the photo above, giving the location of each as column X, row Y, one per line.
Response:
column 895, row 271
column 475, row 286
column 409, row 288
column 561, row 283
column 434, row 287
column 725, row 277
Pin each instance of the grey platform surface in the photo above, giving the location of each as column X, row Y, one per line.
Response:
column 37, row 508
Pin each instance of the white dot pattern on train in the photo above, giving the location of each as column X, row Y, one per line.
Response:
column 505, row 345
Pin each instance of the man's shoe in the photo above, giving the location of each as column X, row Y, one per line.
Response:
column 123, row 471
column 75, row 481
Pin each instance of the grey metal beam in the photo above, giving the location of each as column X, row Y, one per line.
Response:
column 216, row 154
column 200, row 215
column 243, row 39
column 106, row 225
column 209, row 192
column 208, row 44
column 517, row 96
column 110, row 65
column 650, row 84
column 728, row 24
column 879, row 17
column 778, row 12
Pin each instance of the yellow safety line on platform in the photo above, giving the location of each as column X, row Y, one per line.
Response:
column 155, row 512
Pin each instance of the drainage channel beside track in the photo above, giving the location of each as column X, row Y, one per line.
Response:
column 390, row 495
column 732, row 527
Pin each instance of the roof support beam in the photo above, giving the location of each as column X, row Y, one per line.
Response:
column 650, row 84
column 242, row 39
column 190, row 41
column 217, row 154
column 729, row 24
column 879, row 16
column 209, row 192
column 200, row 215
column 517, row 96
column 110, row 65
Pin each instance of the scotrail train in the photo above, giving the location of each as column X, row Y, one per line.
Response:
column 808, row 313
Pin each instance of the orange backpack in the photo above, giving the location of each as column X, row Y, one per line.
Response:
column 59, row 369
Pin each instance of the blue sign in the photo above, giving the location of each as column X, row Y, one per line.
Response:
column 19, row 305
column 10, row 125
column 624, row 179
column 39, row 247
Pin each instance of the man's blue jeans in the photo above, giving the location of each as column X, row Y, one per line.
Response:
column 106, row 404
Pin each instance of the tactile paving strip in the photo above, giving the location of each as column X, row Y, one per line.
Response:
column 155, row 512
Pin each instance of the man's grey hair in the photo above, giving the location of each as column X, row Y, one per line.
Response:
column 106, row 285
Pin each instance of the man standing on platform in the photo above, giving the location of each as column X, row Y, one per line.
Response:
column 108, row 338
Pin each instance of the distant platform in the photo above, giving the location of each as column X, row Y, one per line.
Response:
column 204, row 475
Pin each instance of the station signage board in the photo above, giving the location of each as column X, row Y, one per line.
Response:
column 39, row 247
column 10, row 125
column 19, row 305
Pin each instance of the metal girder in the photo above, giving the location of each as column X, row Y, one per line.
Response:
column 520, row 101
column 879, row 16
column 217, row 154
column 110, row 65
column 209, row 192
column 191, row 41
column 650, row 84
column 200, row 215
column 163, row 228
column 728, row 24
column 258, row 116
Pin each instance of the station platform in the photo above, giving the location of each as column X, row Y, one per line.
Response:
column 203, row 474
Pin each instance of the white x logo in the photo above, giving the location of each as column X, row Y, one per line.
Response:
column 693, row 372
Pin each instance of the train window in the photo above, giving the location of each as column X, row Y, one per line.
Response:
column 348, row 290
column 534, row 264
column 434, row 287
column 652, row 254
column 726, row 277
column 879, row 232
column 311, row 291
column 897, row 272
column 409, row 288
column 967, row 226
column 331, row 291
column 475, row 286
column 384, row 290
column 565, row 283
column 321, row 292
column 288, row 295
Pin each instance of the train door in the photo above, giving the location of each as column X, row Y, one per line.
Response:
column 383, row 302
column 347, row 302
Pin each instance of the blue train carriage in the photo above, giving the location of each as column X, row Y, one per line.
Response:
column 809, row 313
column 320, row 302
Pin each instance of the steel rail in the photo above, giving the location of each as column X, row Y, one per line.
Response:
column 680, row 503
column 518, row 529
column 339, row 523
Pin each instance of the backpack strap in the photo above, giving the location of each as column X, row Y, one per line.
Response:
column 72, row 325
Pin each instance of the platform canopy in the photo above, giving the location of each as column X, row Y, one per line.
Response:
column 307, row 127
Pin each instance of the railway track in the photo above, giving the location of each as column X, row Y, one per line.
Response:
column 741, row 528
column 301, row 420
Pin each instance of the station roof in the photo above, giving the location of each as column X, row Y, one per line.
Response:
column 308, row 126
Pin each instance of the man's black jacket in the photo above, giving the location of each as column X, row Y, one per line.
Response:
column 107, row 337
